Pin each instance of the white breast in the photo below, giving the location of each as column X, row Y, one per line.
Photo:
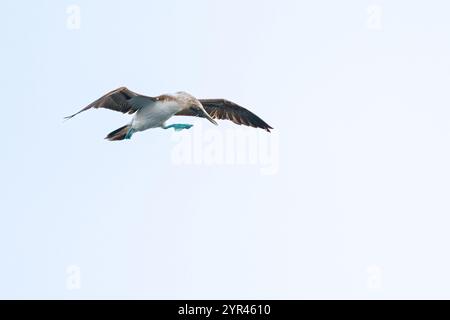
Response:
column 154, row 115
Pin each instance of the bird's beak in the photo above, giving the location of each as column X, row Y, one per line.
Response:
column 207, row 116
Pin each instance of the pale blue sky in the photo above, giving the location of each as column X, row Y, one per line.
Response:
column 357, row 208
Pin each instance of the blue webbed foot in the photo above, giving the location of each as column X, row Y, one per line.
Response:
column 179, row 126
column 129, row 134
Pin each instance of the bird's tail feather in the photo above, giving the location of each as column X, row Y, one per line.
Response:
column 122, row 133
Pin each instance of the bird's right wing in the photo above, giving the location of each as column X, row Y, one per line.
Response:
column 121, row 100
column 226, row 110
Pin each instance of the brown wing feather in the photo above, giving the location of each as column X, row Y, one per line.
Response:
column 121, row 100
column 226, row 110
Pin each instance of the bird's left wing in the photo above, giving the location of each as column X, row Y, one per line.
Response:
column 121, row 100
column 226, row 110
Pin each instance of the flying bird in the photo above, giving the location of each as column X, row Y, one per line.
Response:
column 153, row 112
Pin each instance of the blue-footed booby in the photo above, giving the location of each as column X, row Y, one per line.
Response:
column 153, row 112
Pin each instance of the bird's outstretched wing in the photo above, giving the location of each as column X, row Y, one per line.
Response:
column 121, row 100
column 226, row 110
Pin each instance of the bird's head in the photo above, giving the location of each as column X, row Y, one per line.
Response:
column 188, row 102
